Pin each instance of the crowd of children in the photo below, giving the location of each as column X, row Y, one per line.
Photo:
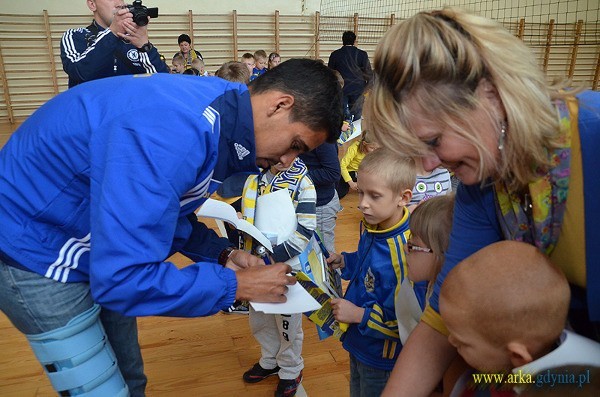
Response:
column 508, row 320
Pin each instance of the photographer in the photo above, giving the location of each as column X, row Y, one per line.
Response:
column 113, row 44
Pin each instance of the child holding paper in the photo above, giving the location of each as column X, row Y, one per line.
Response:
column 280, row 336
column 375, row 271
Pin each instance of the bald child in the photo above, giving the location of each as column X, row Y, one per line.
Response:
column 506, row 307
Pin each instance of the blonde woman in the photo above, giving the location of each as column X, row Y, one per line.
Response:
column 458, row 90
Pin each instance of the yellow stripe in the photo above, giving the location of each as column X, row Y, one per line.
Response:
column 392, row 349
column 434, row 320
column 384, row 353
column 394, row 257
column 383, row 330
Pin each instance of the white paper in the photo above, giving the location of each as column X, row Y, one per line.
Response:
column 298, row 301
column 275, row 215
column 216, row 209
column 408, row 311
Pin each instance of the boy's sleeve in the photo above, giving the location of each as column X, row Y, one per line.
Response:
column 379, row 320
column 347, row 159
column 307, row 223
column 350, row 263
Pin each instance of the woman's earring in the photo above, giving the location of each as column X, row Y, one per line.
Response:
column 502, row 136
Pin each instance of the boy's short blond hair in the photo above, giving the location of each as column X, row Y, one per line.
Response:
column 197, row 63
column 260, row 54
column 178, row 60
column 234, row 71
column 506, row 292
column 396, row 172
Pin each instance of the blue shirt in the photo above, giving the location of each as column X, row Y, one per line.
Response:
column 101, row 183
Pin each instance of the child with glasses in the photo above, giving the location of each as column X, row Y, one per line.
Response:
column 430, row 226
column 376, row 271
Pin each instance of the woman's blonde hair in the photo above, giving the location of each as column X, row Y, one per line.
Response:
column 431, row 221
column 434, row 62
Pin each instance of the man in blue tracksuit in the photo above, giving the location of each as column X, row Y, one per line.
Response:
column 112, row 45
column 99, row 186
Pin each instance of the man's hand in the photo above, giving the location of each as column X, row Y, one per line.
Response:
column 346, row 311
column 124, row 27
column 335, row 260
column 240, row 259
column 118, row 24
column 264, row 283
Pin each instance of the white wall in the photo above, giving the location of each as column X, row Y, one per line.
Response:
column 78, row 7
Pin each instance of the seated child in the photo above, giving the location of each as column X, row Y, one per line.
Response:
column 260, row 64
column 280, row 336
column 505, row 308
column 178, row 64
column 350, row 162
column 198, row 64
column 248, row 60
column 274, row 60
column 430, row 225
column 375, row 271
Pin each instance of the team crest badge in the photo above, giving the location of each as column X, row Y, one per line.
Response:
column 133, row 55
column 369, row 281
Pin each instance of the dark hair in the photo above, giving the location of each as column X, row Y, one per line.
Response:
column 316, row 91
column 184, row 37
column 234, row 71
column 348, row 37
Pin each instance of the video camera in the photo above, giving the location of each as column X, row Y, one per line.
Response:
column 141, row 13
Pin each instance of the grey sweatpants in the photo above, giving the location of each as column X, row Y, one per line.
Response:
column 280, row 337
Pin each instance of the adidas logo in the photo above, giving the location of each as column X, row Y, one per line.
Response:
column 241, row 151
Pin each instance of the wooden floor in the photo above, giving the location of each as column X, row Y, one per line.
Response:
column 202, row 356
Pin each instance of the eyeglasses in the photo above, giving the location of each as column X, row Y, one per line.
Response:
column 415, row 248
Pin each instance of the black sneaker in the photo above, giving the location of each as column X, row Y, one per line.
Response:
column 288, row 387
column 258, row 373
column 237, row 308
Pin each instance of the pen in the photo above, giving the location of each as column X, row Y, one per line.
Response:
column 324, row 250
column 263, row 254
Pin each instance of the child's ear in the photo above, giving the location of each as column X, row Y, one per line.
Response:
column 405, row 198
column 519, row 354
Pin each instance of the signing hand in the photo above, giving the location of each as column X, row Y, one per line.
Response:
column 346, row 311
column 264, row 283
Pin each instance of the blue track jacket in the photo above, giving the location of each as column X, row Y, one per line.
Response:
column 375, row 272
column 97, row 53
column 101, row 183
